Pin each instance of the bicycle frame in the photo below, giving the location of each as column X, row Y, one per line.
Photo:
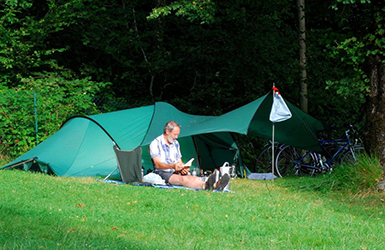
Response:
column 320, row 165
column 347, row 143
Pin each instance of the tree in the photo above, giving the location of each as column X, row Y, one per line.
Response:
column 239, row 48
column 203, row 56
column 30, row 63
column 363, row 52
column 302, row 55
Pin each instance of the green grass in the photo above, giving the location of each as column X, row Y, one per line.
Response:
column 47, row 212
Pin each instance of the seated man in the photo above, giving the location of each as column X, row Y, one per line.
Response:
column 167, row 158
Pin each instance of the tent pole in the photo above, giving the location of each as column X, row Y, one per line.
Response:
column 22, row 162
column 272, row 154
column 36, row 126
column 273, row 145
column 110, row 174
column 199, row 160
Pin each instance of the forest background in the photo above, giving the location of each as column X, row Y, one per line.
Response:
column 206, row 57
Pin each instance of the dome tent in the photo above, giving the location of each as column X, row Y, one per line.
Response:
column 83, row 146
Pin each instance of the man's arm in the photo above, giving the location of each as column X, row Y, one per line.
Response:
column 178, row 166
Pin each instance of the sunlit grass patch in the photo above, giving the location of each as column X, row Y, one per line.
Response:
column 77, row 213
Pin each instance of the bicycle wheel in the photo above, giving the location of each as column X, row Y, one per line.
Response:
column 350, row 155
column 329, row 150
column 291, row 161
column 263, row 161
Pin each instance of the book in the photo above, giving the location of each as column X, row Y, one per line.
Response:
column 189, row 163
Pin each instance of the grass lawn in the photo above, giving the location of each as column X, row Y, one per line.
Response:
column 47, row 212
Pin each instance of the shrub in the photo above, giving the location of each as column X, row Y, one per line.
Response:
column 363, row 175
column 58, row 98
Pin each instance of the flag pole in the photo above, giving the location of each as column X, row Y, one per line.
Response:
column 273, row 145
column 272, row 154
column 279, row 113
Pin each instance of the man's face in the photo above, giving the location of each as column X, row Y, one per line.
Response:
column 173, row 135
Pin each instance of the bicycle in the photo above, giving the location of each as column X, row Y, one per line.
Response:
column 263, row 161
column 292, row 161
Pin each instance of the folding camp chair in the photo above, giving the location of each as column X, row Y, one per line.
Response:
column 129, row 164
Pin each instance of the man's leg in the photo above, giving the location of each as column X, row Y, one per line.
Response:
column 187, row 181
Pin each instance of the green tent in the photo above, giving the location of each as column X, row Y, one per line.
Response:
column 84, row 145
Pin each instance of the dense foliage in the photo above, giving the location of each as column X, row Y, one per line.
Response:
column 203, row 56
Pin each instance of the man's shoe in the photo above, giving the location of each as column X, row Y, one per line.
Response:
column 209, row 185
column 222, row 183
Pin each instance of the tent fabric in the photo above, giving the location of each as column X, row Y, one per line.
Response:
column 83, row 146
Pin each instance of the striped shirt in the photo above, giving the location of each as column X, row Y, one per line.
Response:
column 167, row 154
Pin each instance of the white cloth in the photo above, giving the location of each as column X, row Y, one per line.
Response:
column 153, row 178
column 279, row 110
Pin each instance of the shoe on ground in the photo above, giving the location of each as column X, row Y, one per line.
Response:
column 209, row 185
column 222, row 183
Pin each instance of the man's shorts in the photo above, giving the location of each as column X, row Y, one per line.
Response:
column 165, row 175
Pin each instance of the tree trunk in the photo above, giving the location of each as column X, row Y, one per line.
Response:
column 374, row 136
column 302, row 56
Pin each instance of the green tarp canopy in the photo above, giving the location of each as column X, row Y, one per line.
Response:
column 83, row 146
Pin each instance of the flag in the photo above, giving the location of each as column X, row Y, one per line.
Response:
column 279, row 111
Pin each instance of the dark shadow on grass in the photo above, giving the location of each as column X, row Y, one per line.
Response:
column 26, row 228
